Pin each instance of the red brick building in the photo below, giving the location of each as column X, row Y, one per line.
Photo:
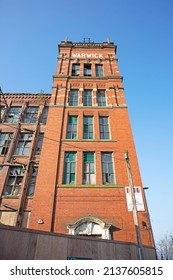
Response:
column 62, row 160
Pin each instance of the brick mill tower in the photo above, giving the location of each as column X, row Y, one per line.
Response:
column 88, row 181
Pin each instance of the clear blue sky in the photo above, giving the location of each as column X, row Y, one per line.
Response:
column 30, row 31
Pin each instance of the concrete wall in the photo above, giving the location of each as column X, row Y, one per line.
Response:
column 24, row 244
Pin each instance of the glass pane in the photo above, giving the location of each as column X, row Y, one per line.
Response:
column 72, row 178
column 91, row 167
column 67, row 167
column 93, row 178
column 88, row 157
column 73, row 165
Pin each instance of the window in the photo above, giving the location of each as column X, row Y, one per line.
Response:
column 87, row 98
column 69, row 176
column 104, row 128
column 87, row 70
column 101, row 98
column 31, row 115
column 73, row 99
column 13, row 115
column 75, row 69
column 107, row 168
column 72, row 127
column 88, row 128
column 32, row 181
column 44, row 116
column 1, row 113
column 5, row 139
column 99, row 70
column 14, row 181
column 39, row 144
column 24, row 144
column 88, row 168
column 1, row 166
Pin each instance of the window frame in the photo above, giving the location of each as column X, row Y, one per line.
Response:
column 75, row 69
column 16, row 177
column 101, row 98
column 108, row 177
column 69, row 171
column 87, row 100
column 16, row 115
column 104, row 128
column 39, row 143
column 44, row 115
column 25, row 144
column 72, row 127
column 99, row 72
column 89, row 174
column 87, row 69
column 32, row 182
column 5, row 143
column 88, row 127
column 31, row 115
column 73, row 100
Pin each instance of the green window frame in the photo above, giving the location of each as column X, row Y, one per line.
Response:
column 72, row 127
column 69, row 174
column 88, row 127
column 89, row 176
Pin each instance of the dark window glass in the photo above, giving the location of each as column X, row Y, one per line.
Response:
column 75, row 69
column 87, row 70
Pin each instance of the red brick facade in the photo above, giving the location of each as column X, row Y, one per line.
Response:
column 59, row 205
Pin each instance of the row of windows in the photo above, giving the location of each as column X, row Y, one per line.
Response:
column 88, row 127
column 30, row 115
column 89, row 174
column 87, row 71
column 16, row 174
column 23, row 144
column 87, row 98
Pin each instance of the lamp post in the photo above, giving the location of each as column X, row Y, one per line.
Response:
column 135, row 212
